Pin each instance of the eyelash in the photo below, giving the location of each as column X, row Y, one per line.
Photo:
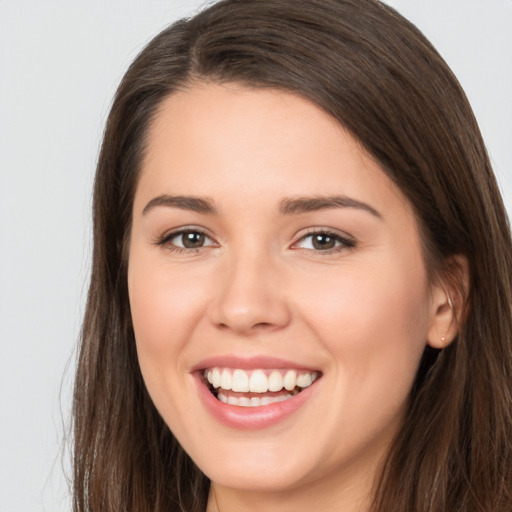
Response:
column 165, row 240
column 341, row 242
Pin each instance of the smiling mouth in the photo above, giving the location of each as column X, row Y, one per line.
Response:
column 259, row 387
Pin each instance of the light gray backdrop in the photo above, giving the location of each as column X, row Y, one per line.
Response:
column 59, row 64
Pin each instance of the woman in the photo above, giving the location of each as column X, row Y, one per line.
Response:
column 300, row 296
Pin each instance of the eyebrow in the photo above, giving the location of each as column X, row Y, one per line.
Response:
column 290, row 206
column 294, row 206
column 195, row 204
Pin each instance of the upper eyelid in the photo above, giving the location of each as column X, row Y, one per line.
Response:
column 323, row 231
column 186, row 229
column 346, row 241
column 168, row 235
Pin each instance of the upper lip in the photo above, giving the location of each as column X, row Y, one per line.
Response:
column 249, row 363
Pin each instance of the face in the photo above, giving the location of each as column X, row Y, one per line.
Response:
column 278, row 291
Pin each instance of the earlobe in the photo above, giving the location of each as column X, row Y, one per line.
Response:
column 443, row 325
column 448, row 303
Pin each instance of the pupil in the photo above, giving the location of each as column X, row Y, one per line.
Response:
column 193, row 240
column 323, row 242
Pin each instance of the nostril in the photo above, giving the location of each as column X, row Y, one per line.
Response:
column 263, row 325
column 247, row 328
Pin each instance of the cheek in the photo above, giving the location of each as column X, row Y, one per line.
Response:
column 162, row 308
column 163, row 303
column 374, row 324
column 149, row 319
column 151, row 306
column 383, row 299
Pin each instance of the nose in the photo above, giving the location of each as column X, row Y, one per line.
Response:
column 251, row 297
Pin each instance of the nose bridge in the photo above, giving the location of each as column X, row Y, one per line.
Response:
column 250, row 297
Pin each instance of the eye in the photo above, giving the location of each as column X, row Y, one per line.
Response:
column 186, row 239
column 189, row 240
column 323, row 241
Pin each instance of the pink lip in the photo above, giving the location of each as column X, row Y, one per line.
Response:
column 250, row 418
column 248, row 363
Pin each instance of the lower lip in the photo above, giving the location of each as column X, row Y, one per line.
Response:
column 252, row 418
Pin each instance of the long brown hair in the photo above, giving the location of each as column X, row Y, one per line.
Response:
column 379, row 77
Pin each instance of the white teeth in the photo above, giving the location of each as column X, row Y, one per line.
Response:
column 215, row 380
column 225, row 379
column 290, row 380
column 304, row 380
column 259, row 381
column 240, row 381
column 275, row 381
column 244, row 401
column 254, row 401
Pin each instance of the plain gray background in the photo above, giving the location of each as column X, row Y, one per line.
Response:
column 60, row 62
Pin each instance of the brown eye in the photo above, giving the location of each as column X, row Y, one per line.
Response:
column 322, row 242
column 188, row 239
column 192, row 239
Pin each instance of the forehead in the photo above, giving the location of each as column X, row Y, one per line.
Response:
column 231, row 141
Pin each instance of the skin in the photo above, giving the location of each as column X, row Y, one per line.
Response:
column 361, row 313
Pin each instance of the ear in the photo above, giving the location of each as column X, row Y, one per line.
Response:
column 448, row 301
